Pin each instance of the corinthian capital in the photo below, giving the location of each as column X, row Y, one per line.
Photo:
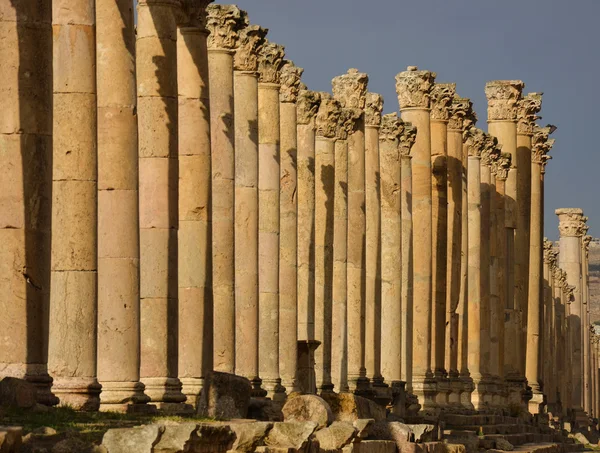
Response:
column 408, row 136
column 442, row 96
column 475, row 140
column 328, row 116
column 550, row 253
column 501, row 166
column 586, row 241
column 503, row 96
column 347, row 123
column 491, row 150
column 571, row 222
column 460, row 112
column 224, row 23
column 414, row 88
column 250, row 40
column 307, row 105
column 373, row 109
column 391, row 128
column 350, row 89
column 270, row 61
column 541, row 144
column 193, row 13
column 527, row 110
column 290, row 81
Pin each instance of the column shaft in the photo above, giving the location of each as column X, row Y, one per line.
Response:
column 406, row 295
column 499, row 269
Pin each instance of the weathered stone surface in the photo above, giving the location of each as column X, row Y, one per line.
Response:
column 362, row 426
column 372, row 446
column 132, row 440
column 347, row 407
column 74, row 445
column 455, row 448
column 17, row 393
column 504, row 445
column 291, row 435
column 265, row 410
column 248, row 436
column 10, row 439
column 398, row 432
column 307, row 408
column 336, row 436
column 423, row 433
column 225, row 396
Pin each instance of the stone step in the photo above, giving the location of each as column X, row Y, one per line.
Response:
column 479, row 420
column 517, row 439
column 499, row 429
column 542, row 447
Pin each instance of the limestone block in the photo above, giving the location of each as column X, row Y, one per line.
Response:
column 175, row 438
column 398, row 432
column 269, row 211
column 156, row 20
column 194, row 194
column 74, row 55
column 268, row 258
column 157, row 266
column 248, row 436
column 211, row 438
column 10, row 439
column 74, row 137
column 423, row 432
column 156, row 343
column 117, row 148
column 265, row 410
column 348, row 407
column 194, row 263
column 269, row 167
column 225, row 396
column 362, row 426
column 503, row 444
column 336, row 436
column 372, row 446
column 455, row 448
column 157, row 119
column 291, row 435
column 139, row 439
column 118, row 235
column 194, row 117
column 75, row 445
column 158, row 193
column 155, row 67
column 268, row 113
column 306, row 408
column 17, row 394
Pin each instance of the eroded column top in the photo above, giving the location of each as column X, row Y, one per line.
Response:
column 307, row 105
column 586, row 241
column 224, row 23
column 350, row 89
column 527, row 110
column 347, row 123
column 373, row 109
column 328, row 116
column 491, row 151
column 442, row 97
column 475, row 140
column 571, row 222
column 391, row 129
column 461, row 114
column 192, row 14
column 414, row 88
column 550, row 253
column 270, row 62
column 407, row 139
column 542, row 144
column 501, row 166
column 503, row 97
column 290, row 79
column 250, row 40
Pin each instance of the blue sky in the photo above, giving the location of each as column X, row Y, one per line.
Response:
column 552, row 45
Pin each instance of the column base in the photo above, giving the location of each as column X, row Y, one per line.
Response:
column 499, row 400
column 43, row 384
column 275, row 391
column 257, row 390
column 456, row 389
column 163, row 390
column 425, row 388
column 360, row 385
column 466, row 395
column 398, row 403
column 537, row 403
column 191, row 388
column 82, row 394
column 517, row 389
column 579, row 419
column 443, row 392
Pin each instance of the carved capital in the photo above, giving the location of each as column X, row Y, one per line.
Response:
column 586, row 241
column 373, row 109
column 414, row 88
column 328, row 116
column 224, row 23
column 270, row 61
column 541, row 144
column 407, row 139
column 550, row 253
column 193, row 13
column 475, row 140
column 391, row 128
column 307, row 105
column 491, row 150
column 527, row 110
column 503, row 96
column 250, row 40
column 461, row 114
column 290, row 81
column 571, row 222
column 569, row 293
column 347, row 123
column 501, row 166
column 350, row 89
column 442, row 96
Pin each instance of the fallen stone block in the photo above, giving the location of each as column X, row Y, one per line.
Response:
column 305, row 408
column 362, row 426
column 423, row 432
column 347, row 407
column 10, row 439
column 373, row 446
column 224, row 396
column 74, row 445
column 249, row 436
column 294, row 436
column 17, row 393
column 504, row 445
column 265, row 409
column 455, row 448
column 336, row 436
column 139, row 439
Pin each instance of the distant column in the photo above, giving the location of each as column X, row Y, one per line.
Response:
column 587, row 368
column 549, row 362
column 413, row 88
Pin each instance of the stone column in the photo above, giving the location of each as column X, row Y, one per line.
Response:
column 73, row 281
column 587, row 371
column 26, row 191
column 193, row 237
column 245, row 107
column 326, row 125
column 224, row 23
column 118, row 206
column 413, row 88
column 569, row 297
column 373, row 300
column 351, row 90
column 156, row 63
column 406, row 142
column 500, row 171
column 475, row 141
column 339, row 343
column 541, row 145
column 288, row 286
column 456, row 115
column 549, row 364
column 442, row 95
column 571, row 228
column 560, row 343
column 503, row 96
column 391, row 247
column 527, row 108
column 270, row 61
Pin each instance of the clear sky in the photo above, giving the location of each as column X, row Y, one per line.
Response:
column 552, row 45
